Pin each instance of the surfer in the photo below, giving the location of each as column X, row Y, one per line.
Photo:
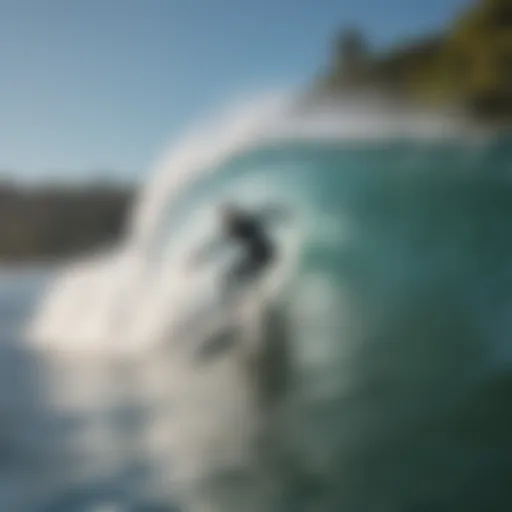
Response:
column 249, row 232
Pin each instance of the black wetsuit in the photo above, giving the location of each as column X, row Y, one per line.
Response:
column 248, row 232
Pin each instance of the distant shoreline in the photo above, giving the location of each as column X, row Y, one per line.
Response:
column 50, row 225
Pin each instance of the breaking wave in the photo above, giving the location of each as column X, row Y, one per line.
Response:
column 353, row 376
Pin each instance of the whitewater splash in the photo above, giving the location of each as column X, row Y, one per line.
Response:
column 380, row 300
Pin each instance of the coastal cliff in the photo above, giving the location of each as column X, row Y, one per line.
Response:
column 467, row 67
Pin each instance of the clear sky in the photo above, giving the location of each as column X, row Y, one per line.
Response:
column 103, row 85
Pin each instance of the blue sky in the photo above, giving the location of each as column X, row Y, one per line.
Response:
column 103, row 85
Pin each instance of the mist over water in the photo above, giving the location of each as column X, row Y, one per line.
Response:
column 370, row 369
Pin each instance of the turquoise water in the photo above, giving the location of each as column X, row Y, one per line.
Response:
column 397, row 383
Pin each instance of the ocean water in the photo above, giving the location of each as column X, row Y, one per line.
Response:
column 370, row 370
